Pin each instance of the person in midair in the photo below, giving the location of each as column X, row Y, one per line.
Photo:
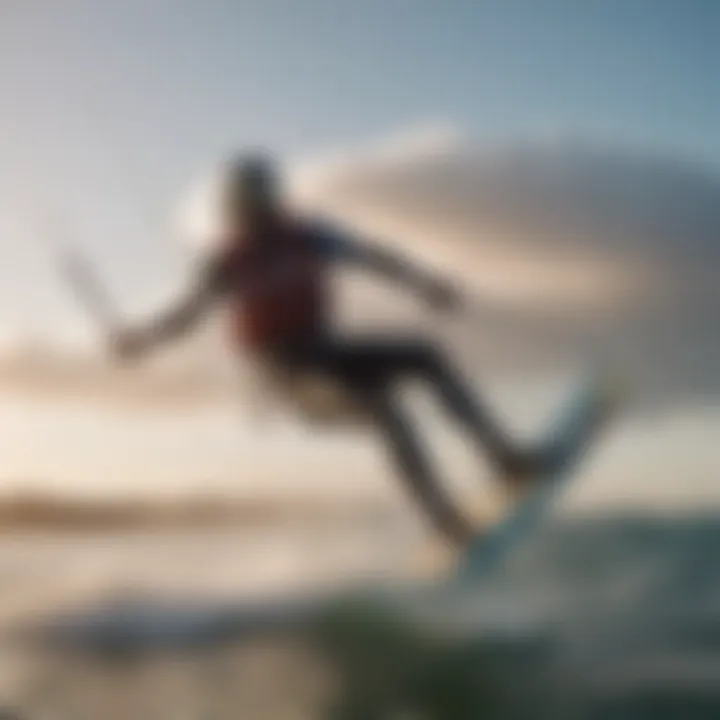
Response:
column 272, row 272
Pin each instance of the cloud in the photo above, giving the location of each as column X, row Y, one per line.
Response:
column 599, row 249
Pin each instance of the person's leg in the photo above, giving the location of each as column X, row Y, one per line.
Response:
column 514, row 464
column 363, row 362
column 414, row 467
column 374, row 359
column 429, row 362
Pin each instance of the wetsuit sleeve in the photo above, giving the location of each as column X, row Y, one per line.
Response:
column 337, row 246
column 334, row 244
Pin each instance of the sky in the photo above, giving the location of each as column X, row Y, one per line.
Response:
column 111, row 111
column 112, row 108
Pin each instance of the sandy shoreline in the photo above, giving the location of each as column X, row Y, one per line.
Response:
column 41, row 512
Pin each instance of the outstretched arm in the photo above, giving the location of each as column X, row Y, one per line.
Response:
column 175, row 322
column 394, row 266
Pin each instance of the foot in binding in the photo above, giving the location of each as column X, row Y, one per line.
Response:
column 521, row 469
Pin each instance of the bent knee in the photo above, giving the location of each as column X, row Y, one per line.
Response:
column 429, row 360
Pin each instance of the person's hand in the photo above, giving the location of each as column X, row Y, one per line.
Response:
column 127, row 344
column 443, row 296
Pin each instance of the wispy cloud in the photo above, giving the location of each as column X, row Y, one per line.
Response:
column 605, row 249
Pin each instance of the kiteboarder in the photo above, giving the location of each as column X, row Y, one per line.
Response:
column 271, row 270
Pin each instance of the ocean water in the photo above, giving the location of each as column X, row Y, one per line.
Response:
column 594, row 617
column 610, row 611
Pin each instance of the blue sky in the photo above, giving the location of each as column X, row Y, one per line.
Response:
column 297, row 74
column 147, row 91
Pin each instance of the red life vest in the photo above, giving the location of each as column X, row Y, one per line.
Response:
column 277, row 287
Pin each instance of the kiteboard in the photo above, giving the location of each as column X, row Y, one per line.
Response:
column 571, row 436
